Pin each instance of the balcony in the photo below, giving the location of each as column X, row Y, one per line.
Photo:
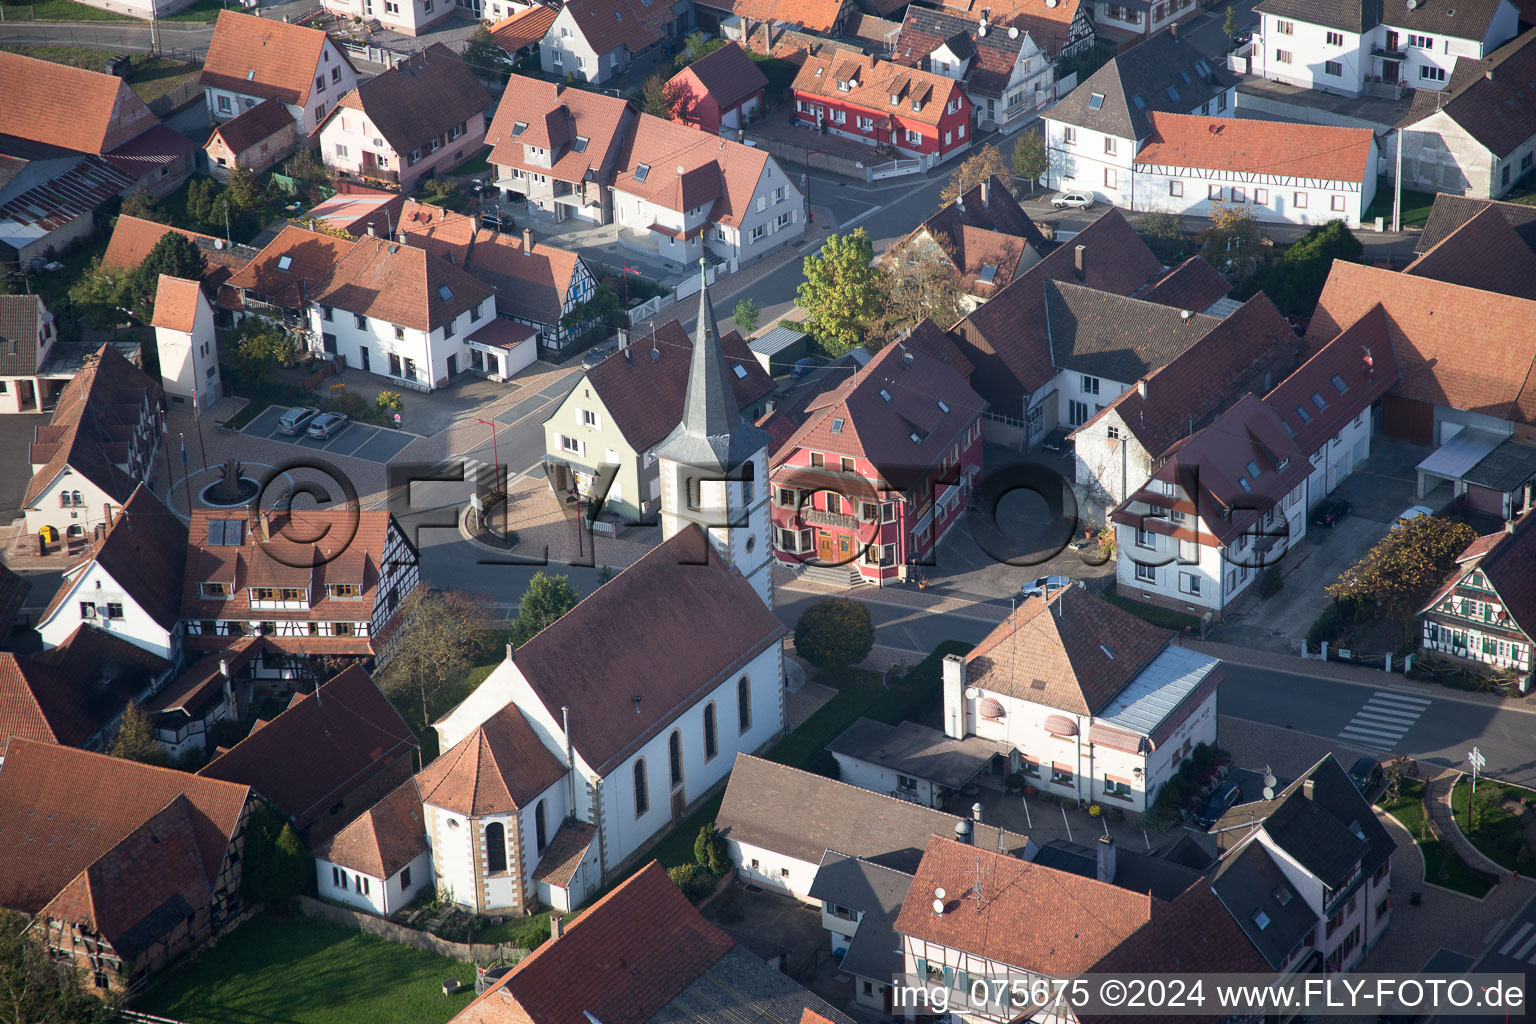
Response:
column 1380, row 50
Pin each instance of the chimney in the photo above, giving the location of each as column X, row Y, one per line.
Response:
column 963, row 832
column 371, row 232
column 1173, row 30
column 1081, row 254
column 1509, row 526
column 1106, row 859
column 510, row 656
column 986, row 193
column 1306, row 788
column 954, row 688
column 224, row 667
column 976, row 812
column 1141, row 387
column 556, row 926
column 528, row 241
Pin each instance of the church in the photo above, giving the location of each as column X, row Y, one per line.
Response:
column 603, row 730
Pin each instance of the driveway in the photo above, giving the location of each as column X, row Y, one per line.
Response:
column 359, row 440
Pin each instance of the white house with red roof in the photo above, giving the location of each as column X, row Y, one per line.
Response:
column 594, row 40
column 189, row 354
column 1227, row 502
column 883, row 466
column 251, row 59
column 916, row 114
column 1006, row 73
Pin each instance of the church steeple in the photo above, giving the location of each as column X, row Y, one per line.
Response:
column 712, row 435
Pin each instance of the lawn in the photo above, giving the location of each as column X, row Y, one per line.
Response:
column 204, row 12
column 1163, row 617
column 478, row 164
column 1499, row 836
column 298, row 970
column 1442, row 864
column 1415, row 205
column 60, row 10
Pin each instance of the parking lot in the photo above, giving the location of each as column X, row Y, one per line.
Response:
column 357, row 440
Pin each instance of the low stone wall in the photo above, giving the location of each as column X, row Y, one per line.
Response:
column 425, row 941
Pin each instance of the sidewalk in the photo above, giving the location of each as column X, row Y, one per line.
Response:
column 903, row 596
column 1437, row 796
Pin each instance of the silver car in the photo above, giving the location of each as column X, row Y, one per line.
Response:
column 1039, row 587
column 295, row 420
column 1073, row 200
column 328, row 424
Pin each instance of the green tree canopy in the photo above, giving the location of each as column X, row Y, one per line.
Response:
column 546, row 599
column 257, row 348
column 976, row 168
column 441, row 632
column 276, row 867
column 834, row 632
column 98, row 295
column 487, row 60
column 653, row 96
column 1296, row 281
column 135, row 739
column 841, row 291
column 144, row 206
column 1030, row 161
column 747, row 316
column 1400, row 572
column 695, row 46
column 174, row 254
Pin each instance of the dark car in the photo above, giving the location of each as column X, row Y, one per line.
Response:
column 597, row 355
column 1366, row 774
column 1242, row 36
column 1224, row 796
column 1058, row 441
column 1330, row 511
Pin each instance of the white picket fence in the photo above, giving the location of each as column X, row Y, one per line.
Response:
column 689, row 286
column 894, row 169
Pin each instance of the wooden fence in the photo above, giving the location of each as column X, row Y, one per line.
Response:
column 391, row 932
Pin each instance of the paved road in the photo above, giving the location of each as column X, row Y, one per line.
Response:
column 1512, row 952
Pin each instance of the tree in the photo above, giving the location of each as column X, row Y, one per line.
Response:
column 977, row 168
column 487, row 60
column 917, row 281
column 135, row 739
column 98, row 295
column 200, row 192
column 276, row 865
column 546, row 599
column 709, row 850
column 1296, row 280
column 257, row 348
column 1231, row 243
column 1398, row 574
column 604, row 307
column 653, row 96
column 440, row 634
column 33, row 987
column 1030, row 161
column 1229, row 26
column 695, row 46
column 841, row 291
column 388, row 403
column 243, row 191
column 679, row 101
column 174, row 254
column 747, row 315
column 144, row 206
column 834, row 633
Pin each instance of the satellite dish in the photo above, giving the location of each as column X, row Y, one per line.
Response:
column 938, row 906
column 1269, row 793
column 971, row 693
column 1270, row 781
column 939, row 894
column 982, row 31
column 1013, row 32
column 1051, row 3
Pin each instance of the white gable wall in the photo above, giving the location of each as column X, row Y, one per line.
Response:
column 94, row 585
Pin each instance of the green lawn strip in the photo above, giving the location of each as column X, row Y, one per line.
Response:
column 62, row 10
column 1163, row 617
column 1443, row 865
column 298, row 970
column 1415, row 205
column 1499, row 834
column 203, row 12
column 478, row 164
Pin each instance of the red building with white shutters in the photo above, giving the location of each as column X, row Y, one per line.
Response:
column 883, row 466
column 917, row 113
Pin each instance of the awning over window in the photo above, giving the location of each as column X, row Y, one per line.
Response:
column 991, row 710
column 1060, row 725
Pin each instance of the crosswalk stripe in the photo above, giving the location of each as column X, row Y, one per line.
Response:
column 1384, row 720
column 1529, row 943
column 1371, row 727
column 1389, row 717
column 1383, row 695
column 1369, row 742
column 1516, row 938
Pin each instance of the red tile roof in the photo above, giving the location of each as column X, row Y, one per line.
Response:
column 264, row 57
column 1052, row 651
column 707, row 169
column 418, row 99
column 1024, row 915
column 873, row 82
column 1193, row 285
column 320, row 749
column 605, row 121
column 72, row 108
column 1006, row 337
column 309, row 255
column 356, row 206
column 565, row 852
column 1484, row 253
column 176, row 302
column 38, row 702
column 61, row 809
column 531, row 286
column 1361, row 358
column 821, row 16
column 436, row 229
column 497, row 769
column 728, row 75
column 524, row 28
column 383, row 839
column 609, row 24
column 399, row 284
column 608, row 965
column 1259, row 147
column 974, row 233
column 1430, row 323
column 204, row 679
column 133, row 238
column 262, row 121
column 601, row 654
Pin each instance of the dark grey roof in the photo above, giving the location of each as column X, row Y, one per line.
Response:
column 741, row 987
column 1450, row 212
column 1187, row 852
column 20, row 319
column 712, row 434
column 1348, row 15
column 1488, row 98
column 916, row 750
column 1115, row 336
column 1505, row 468
column 1249, row 883
column 1148, row 71
column 1325, row 830
column 1458, row 18
column 877, row 893
column 1134, row 870
column 800, row 815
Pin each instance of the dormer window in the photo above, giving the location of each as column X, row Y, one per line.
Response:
column 278, row 594
column 344, row 591
column 895, row 99
column 842, row 86
column 917, row 105
column 519, row 128
column 214, row 588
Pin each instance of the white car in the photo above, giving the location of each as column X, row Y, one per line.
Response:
column 1039, row 587
column 1072, row 200
column 1413, row 512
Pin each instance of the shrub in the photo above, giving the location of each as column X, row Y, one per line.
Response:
column 694, row 880
column 1332, row 622
column 834, row 633
column 277, row 867
column 1015, row 781
column 388, row 403
column 1114, row 813
column 709, row 851
column 354, row 405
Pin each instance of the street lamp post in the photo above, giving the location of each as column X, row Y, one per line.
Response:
column 810, row 214
column 495, row 456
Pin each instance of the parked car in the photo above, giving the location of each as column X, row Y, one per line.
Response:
column 1366, row 774
column 328, row 424
column 1072, row 200
column 1057, row 441
column 1242, row 36
column 296, row 420
column 1224, row 796
column 598, row 354
column 1412, row 512
column 1038, row 588
column 1330, row 510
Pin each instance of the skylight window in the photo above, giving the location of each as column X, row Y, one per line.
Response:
column 1288, row 428
column 988, row 274
column 1173, row 93
column 642, row 172
column 250, row 76
column 1306, row 417
column 885, row 395
column 1338, row 383
column 519, row 128
column 618, row 16
column 1202, row 67
column 915, row 438
column 444, row 293
column 1253, row 469
column 943, row 407
column 1260, row 919
column 739, row 370
column 1247, row 487
column 1141, row 104
column 819, row 71
column 1282, row 895
column 1095, row 101
column 284, row 262
column 1317, row 400
column 837, row 425
column 580, row 145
